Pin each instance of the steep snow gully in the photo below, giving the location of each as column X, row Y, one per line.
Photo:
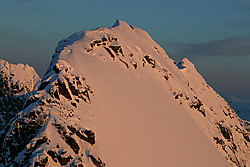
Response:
column 112, row 97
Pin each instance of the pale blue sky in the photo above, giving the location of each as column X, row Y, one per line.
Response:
column 214, row 34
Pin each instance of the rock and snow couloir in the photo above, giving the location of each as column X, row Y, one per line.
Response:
column 113, row 97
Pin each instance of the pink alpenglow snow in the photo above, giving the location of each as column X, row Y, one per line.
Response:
column 113, row 97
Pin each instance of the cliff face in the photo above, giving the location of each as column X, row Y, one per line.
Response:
column 112, row 97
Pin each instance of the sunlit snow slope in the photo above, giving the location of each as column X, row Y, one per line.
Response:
column 112, row 97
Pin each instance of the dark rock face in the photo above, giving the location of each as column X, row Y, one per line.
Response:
column 63, row 90
column 197, row 105
column 226, row 132
column 150, row 61
column 43, row 85
column 246, row 137
column 221, row 142
column 68, row 139
column 109, row 51
column 97, row 161
column 63, row 160
column 42, row 163
column 86, row 135
column 59, row 157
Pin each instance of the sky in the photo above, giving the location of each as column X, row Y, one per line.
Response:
column 214, row 34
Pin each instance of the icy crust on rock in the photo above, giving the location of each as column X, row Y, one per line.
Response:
column 112, row 96
column 17, row 79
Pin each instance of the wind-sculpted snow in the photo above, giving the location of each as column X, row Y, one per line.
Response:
column 112, row 97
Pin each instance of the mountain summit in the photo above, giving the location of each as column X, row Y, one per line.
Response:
column 113, row 97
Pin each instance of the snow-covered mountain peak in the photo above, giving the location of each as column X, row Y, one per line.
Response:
column 122, row 24
column 114, row 60
column 112, row 96
column 16, row 79
column 130, row 46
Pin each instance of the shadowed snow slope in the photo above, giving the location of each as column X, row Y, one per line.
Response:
column 112, row 97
